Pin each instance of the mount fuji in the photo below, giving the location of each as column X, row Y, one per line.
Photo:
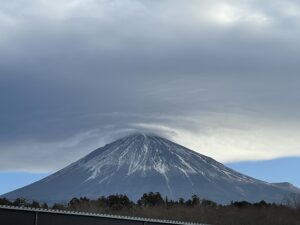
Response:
column 140, row 163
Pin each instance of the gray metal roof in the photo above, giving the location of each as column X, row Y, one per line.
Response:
column 65, row 212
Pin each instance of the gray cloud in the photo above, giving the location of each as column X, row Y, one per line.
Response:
column 212, row 75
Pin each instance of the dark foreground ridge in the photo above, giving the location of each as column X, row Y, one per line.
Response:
column 164, row 211
column 22, row 215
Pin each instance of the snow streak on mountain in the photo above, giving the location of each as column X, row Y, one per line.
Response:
column 140, row 163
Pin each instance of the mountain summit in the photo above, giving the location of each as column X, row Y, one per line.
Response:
column 140, row 163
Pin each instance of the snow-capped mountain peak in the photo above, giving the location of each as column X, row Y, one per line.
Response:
column 141, row 163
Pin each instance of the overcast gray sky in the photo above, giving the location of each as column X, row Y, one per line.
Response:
column 221, row 77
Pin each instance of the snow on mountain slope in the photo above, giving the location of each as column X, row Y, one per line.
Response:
column 140, row 163
column 288, row 186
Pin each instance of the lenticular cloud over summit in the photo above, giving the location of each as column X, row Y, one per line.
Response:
column 219, row 76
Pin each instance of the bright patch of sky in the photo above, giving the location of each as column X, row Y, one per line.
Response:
column 12, row 181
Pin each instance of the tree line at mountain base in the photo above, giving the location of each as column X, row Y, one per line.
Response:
column 195, row 209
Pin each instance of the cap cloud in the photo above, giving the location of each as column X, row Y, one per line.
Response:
column 220, row 77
